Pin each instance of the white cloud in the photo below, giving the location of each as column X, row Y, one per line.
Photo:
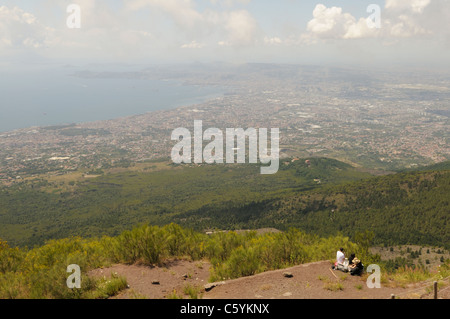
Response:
column 416, row 6
column 229, row 3
column 113, row 34
column 399, row 19
column 332, row 23
column 181, row 11
column 404, row 26
column 241, row 28
column 235, row 28
column 272, row 40
column 360, row 29
column 182, row 28
column 193, row 45
column 405, row 19
column 20, row 29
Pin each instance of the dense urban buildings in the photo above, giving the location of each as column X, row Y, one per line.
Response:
column 382, row 121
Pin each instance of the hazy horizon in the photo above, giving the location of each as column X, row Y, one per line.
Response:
column 42, row 37
column 411, row 33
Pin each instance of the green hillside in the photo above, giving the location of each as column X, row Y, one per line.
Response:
column 408, row 208
column 435, row 167
column 322, row 196
column 35, row 211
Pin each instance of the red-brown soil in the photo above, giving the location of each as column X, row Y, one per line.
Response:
column 308, row 281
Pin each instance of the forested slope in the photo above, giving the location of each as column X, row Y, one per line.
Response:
column 319, row 196
column 405, row 208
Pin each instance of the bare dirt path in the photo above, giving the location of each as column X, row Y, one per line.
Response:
column 308, row 281
column 159, row 282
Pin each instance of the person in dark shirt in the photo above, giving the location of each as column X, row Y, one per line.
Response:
column 350, row 260
column 355, row 266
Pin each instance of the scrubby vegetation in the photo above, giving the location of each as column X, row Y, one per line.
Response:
column 41, row 272
column 233, row 255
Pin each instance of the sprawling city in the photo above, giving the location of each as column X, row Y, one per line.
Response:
column 385, row 121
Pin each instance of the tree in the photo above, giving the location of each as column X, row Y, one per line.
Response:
column 364, row 240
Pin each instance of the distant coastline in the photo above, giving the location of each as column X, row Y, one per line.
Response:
column 51, row 98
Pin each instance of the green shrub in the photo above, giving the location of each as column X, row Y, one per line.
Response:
column 192, row 291
column 334, row 286
column 108, row 287
column 174, row 295
column 10, row 258
column 144, row 244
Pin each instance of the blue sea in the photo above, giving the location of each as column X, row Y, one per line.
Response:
column 54, row 96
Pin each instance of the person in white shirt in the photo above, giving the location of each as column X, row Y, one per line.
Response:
column 340, row 256
column 340, row 260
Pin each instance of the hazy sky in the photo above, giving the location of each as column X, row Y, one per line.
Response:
column 160, row 31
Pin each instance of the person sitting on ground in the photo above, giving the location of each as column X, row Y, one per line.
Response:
column 340, row 259
column 350, row 260
column 356, row 267
column 340, row 256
